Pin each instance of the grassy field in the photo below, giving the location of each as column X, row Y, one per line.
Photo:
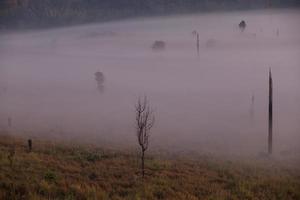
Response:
column 70, row 171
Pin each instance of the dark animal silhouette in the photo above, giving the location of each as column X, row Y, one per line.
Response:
column 242, row 25
column 159, row 45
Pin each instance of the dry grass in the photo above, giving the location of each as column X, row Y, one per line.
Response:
column 55, row 171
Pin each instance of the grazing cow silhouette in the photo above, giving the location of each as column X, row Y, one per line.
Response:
column 242, row 25
column 159, row 45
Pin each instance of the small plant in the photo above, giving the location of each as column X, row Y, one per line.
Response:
column 11, row 155
column 159, row 194
column 50, row 176
column 93, row 157
column 93, row 176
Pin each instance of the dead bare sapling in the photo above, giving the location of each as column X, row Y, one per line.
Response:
column 144, row 122
column 195, row 33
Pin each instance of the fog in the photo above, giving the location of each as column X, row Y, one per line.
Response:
column 201, row 103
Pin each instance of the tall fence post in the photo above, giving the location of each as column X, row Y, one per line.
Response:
column 270, row 134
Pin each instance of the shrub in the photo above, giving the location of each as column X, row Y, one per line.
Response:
column 93, row 176
column 93, row 156
column 50, row 176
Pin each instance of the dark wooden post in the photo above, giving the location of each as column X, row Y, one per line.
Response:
column 198, row 44
column 252, row 108
column 29, row 145
column 270, row 135
column 9, row 122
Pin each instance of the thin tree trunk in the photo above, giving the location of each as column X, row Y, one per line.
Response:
column 270, row 136
column 143, row 163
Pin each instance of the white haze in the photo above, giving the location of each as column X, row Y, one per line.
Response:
column 202, row 103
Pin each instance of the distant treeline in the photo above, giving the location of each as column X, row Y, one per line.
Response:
column 47, row 13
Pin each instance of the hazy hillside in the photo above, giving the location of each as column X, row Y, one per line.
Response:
column 45, row 13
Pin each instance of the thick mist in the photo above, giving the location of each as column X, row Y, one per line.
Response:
column 202, row 103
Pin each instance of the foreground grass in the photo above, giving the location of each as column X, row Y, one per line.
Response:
column 56, row 171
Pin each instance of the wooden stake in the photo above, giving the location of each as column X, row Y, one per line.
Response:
column 198, row 44
column 270, row 135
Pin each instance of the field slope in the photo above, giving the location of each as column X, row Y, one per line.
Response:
column 55, row 170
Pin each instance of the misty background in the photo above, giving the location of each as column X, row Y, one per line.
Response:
column 202, row 103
